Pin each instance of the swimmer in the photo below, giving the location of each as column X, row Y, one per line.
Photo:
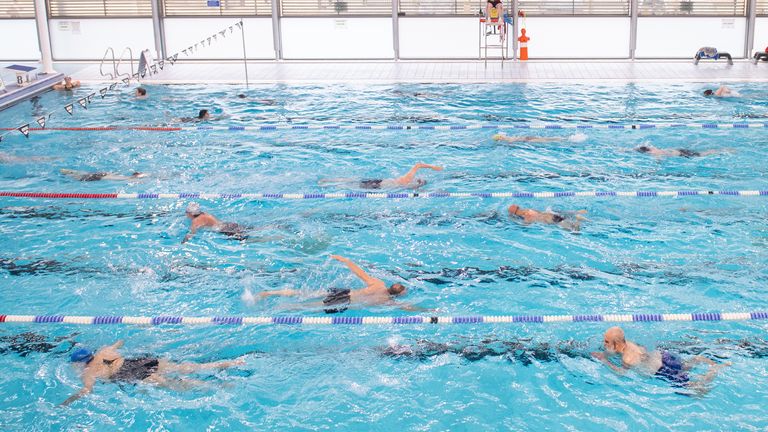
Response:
column 686, row 153
column 530, row 216
column 337, row 300
column 141, row 93
column 662, row 364
column 722, row 91
column 205, row 220
column 408, row 181
column 261, row 101
column 202, row 116
column 107, row 364
column 96, row 176
column 67, row 85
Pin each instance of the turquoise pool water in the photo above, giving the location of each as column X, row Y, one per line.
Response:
column 459, row 256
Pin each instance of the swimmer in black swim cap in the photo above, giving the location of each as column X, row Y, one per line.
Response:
column 107, row 364
column 408, row 181
column 101, row 175
column 687, row 153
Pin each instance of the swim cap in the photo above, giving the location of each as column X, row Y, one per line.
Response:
column 81, row 355
column 513, row 209
column 193, row 208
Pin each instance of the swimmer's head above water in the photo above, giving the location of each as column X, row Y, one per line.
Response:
column 81, row 355
column 709, row 92
column 644, row 149
column 513, row 209
column 193, row 210
column 203, row 115
column 396, row 289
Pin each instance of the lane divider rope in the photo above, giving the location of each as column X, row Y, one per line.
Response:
column 374, row 320
column 272, row 127
column 377, row 195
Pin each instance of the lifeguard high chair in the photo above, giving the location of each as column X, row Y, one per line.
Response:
column 490, row 30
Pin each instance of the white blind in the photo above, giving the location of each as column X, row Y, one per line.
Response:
column 225, row 8
column 335, row 7
column 574, row 8
column 694, row 8
column 762, row 7
column 17, row 9
column 99, row 8
column 441, row 7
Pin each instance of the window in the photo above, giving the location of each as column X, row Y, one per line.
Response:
column 574, row 8
column 762, row 7
column 99, row 8
column 441, row 7
column 693, row 7
column 17, row 9
column 335, row 7
column 225, row 8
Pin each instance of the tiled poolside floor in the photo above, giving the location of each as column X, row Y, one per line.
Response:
column 440, row 71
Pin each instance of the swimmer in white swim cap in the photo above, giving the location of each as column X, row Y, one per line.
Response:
column 201, row 219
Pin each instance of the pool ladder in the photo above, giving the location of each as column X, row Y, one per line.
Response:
column 116, row 63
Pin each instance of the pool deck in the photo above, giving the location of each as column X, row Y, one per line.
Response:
column 466, row 71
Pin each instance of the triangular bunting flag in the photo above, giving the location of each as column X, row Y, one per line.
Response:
column 24, row 129
column 161, row 63
column 184, row 51
column 175, row 56
column 112, row 86
column 90, row 97
column 190, row 50
column 103, row 92
column 69, row 108
column 41, row 122
column 209, row 40
column 231, row 29
column 154, row 69
column 143, row 72
column 214, row 36
column 196, row 46
column 83, row 103
column 126, row 81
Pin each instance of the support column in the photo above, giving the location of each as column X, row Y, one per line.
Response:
column 159, row 30
column 43, row 36
column 277, row 33
column 751, row 18
column 396, row 29
column 515, row 27
column 633, row 13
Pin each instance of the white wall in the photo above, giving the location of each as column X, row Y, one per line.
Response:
column 19, row 40
column 87, row 39
column 761, row 35
column 180, row 33
column 577, row 37
column 439, row 37
column 337, row 38
column 681, row 37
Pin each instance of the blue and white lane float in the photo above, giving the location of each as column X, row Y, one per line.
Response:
column 379, row 195
column 380, row 321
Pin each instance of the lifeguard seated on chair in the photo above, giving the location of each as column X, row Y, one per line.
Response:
column 494, row 13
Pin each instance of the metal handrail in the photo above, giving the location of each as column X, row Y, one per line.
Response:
column 130, row 52
column 114, row 68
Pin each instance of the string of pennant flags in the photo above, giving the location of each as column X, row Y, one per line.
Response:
column 152, row 69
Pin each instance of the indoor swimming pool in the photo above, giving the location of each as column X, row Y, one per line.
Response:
column 456, row 256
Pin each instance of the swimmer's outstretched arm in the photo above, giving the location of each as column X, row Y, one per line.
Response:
column 88, row 382
column 354, row 268
column 603, row 358
column 409, row 176
column 190, row 234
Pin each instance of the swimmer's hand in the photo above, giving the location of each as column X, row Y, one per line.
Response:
column 598, row 355
column 434, row 167
column 186, row 238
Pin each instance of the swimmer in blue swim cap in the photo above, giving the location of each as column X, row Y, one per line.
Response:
column 662, row 364
column 107, row 364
